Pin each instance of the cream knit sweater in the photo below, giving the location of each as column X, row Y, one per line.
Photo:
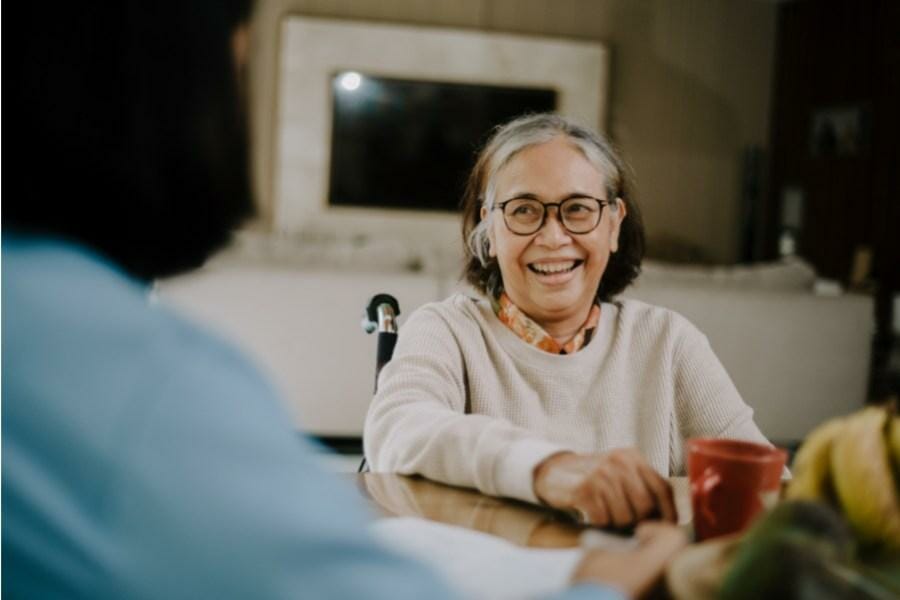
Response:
column 467, row 402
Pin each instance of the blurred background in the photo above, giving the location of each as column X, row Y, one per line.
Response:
column 763, row 137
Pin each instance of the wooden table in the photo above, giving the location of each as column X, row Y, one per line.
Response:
column 518, row 522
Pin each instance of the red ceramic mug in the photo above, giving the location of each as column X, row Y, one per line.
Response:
column 731, row 483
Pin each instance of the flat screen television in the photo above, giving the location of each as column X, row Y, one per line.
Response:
column 410, row 144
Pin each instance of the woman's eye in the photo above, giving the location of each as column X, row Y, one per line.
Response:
column 524, row 210
column 577, row 208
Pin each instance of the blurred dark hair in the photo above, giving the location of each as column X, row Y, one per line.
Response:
column 133, row 131
column 483, row 271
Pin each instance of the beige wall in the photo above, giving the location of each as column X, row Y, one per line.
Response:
column 690, row 89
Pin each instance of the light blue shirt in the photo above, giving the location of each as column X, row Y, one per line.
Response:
column 144, row 458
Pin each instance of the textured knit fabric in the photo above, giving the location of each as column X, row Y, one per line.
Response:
column 467, row 402
column 525, row 327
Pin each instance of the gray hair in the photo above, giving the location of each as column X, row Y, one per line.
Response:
column 531, row 130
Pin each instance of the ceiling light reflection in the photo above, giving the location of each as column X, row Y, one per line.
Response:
column 351, row 81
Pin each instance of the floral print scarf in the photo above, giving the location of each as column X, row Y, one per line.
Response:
column 522, row 325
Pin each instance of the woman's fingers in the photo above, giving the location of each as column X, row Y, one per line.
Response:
column 664, row 499
column 593, row 506
column 649, row 493
column 642, row 499
column 603, row 499
column 614, row 489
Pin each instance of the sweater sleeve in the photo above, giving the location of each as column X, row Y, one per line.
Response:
column 707, row 404
column 418, row 422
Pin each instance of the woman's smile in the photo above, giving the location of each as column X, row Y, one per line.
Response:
column 555, row 272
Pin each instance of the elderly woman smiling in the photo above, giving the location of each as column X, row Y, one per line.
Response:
column 545, row 387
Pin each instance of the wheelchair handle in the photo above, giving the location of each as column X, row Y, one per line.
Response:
column 381, row 314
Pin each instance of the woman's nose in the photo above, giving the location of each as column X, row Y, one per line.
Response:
column 552, row 233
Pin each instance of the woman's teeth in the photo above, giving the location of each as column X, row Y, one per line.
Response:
column 556, row 267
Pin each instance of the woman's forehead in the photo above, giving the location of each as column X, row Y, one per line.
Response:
column 558, row 163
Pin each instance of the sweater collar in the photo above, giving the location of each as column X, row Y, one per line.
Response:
column 532, row 333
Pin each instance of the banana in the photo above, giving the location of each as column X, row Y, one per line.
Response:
column 863, row 478
column 894, row 440
column 812, row 465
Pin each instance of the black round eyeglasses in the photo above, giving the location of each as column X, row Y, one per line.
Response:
column 525, row 216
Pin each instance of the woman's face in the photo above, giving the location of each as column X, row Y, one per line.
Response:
column 553, row 274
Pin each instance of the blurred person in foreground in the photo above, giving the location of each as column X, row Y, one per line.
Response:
column 545, row 386
column 142, row 456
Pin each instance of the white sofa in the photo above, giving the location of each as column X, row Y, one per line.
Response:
column 796, row 357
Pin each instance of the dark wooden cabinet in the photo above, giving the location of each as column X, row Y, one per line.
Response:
column 834, row 172
column 835, row 136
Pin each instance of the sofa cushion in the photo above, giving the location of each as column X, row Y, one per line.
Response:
column 788, row 274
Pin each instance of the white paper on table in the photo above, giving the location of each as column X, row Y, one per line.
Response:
column 477, row 564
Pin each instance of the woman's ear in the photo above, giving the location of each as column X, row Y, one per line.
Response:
column 492, row 252
column 616, row 217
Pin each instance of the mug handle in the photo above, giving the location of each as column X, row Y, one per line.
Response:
column 702, row 488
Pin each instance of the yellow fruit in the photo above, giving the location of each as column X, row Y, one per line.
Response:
column 894, row 440
column 812, row 465
column 863, row 478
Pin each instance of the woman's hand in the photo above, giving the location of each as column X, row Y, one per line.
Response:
column 635, row 572
column 615, row 489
